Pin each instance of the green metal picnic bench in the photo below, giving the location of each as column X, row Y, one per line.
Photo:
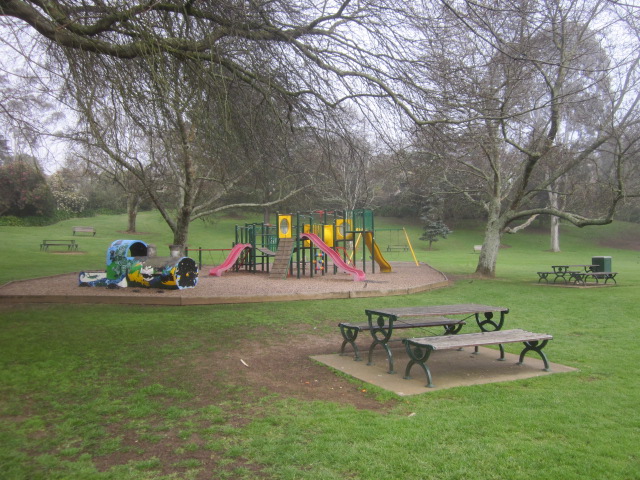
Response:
column 382, row 323
column 582, row 277
column 420, row 349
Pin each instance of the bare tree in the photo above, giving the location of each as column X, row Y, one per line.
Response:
column 327, row 51
column 274, row 53
column 26, row 109
column 188, row 142
column 527, row 82
column 100, row 168
column 346, row 158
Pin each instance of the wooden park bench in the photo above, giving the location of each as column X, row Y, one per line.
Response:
column 90, row 230
column 382, row 333
column 477, row 248
column 70, row 244
column 582, row 277
column 419, row 349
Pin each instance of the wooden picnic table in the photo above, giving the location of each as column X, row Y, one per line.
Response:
column 68, row 244
column 382, row 322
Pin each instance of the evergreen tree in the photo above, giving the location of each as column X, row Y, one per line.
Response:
column 434, row 227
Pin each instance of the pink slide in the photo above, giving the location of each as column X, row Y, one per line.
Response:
column 358, row 275
column 230, row 260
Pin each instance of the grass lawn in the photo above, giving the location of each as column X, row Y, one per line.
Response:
column 121, row 392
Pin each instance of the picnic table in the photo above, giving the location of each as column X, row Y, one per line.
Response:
column 382, row 323
column 564, row 272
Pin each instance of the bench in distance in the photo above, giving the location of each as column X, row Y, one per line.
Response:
column 90, row 230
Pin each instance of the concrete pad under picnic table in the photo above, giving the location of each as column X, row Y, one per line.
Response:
column 449, row 368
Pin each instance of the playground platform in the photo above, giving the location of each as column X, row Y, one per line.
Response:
column 231, row 287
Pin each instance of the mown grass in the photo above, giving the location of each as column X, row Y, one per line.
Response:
column 22, row 257
column 83, row 385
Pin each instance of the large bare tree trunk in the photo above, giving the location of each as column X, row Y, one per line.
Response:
column 133, row 202
column 181, row 230
column 555, row 234
column 554, row 202
column 491, row 245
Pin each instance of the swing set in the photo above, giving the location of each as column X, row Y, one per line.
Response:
column 397, row 241
column 213, row 259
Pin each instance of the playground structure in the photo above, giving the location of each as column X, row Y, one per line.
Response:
column 132, row 263
column 302, row 244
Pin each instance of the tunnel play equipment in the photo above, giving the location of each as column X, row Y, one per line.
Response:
column 131, row 263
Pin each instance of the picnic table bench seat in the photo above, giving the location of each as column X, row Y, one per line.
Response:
column 419, row 349
column 582, row 277
column 82, row 229
column 69, row 244
column 544, row 276
column 565, row 276
column 350, row 331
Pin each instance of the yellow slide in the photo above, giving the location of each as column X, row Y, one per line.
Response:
column 377, row 254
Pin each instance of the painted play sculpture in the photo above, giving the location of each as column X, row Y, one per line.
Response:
column 130, row 265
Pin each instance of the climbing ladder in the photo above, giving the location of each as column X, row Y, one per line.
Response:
column 280, row 267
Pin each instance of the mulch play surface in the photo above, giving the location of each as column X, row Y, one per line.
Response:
column 231, row 287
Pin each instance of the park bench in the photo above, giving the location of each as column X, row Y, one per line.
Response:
column 582, row 277
column 90, row 230
column 350, row 331
column 477, row 248
column 70, row 244
column 419, row 349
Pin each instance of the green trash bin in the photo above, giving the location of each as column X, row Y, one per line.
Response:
column 603, row 264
